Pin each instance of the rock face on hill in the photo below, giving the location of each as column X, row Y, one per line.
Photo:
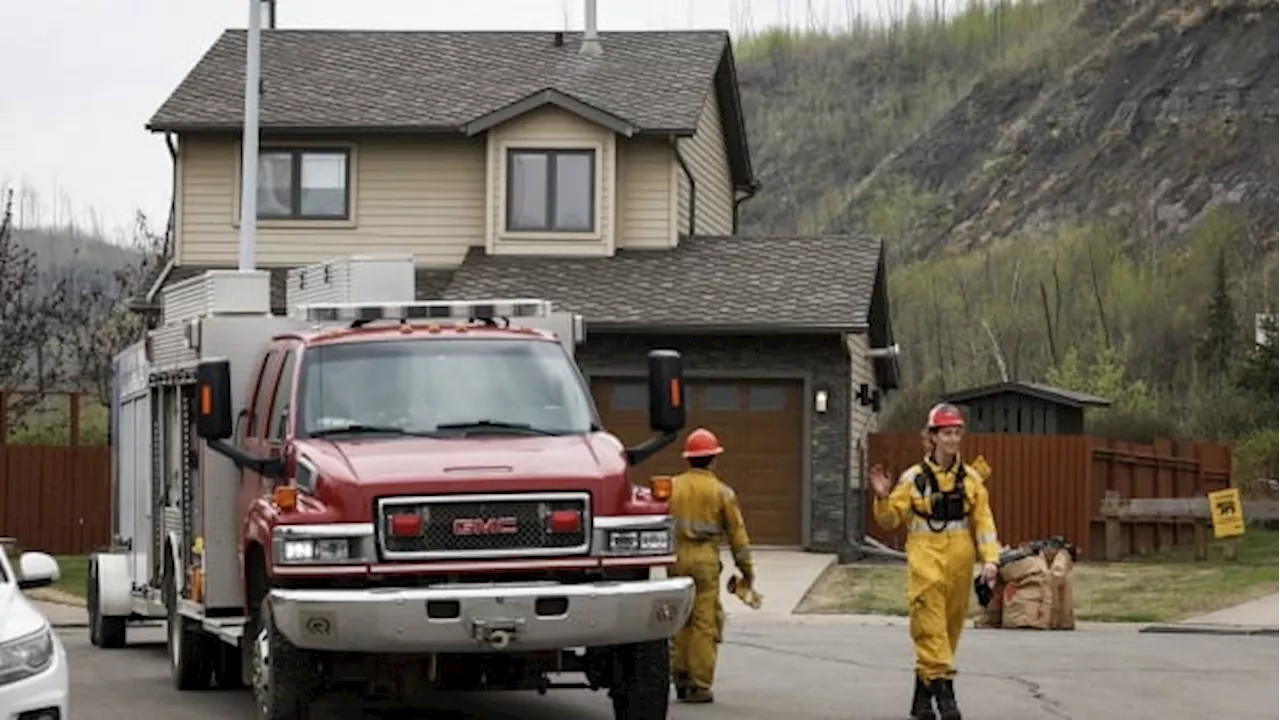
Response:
column 1146, row 113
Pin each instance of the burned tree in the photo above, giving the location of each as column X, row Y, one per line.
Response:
column 35, row 310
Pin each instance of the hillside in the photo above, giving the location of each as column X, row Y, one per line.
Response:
column 1172, row 114
column 1074, row 191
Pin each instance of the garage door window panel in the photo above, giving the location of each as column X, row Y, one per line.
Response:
column 722, row 398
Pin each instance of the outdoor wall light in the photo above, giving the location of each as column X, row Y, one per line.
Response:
column 820, row 401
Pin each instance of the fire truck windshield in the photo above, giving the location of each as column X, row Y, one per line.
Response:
column 445, row 388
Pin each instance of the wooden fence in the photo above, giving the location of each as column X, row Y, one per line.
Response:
column 1044, row 485
column 55, row 498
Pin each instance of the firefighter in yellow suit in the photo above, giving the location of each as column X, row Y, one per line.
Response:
column 706, row 512
column 945, row 506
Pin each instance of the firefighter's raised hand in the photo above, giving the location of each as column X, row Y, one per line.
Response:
column 880, row 482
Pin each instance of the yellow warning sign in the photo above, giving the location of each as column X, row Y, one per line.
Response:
column 1227, row 513
column 980, row 464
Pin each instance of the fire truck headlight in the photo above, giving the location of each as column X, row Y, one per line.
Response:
column 639, row 542
column 295, row 545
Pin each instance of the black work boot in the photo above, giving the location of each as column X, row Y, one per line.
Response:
column 682, row 683
column 922, row 702
column 944, row 691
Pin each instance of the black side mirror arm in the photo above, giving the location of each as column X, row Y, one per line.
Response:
column 270, row 467
column 642, row 451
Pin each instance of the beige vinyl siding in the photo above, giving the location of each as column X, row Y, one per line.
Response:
column 707, row 157
column 862, row 420
column 645, row 210
column 552, row 128
column 420, row 196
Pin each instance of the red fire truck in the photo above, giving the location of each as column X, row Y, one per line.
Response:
column 391, row 495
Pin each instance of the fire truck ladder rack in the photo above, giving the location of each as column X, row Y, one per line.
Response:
column 488, row 312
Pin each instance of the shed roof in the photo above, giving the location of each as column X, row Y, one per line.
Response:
column 1040, row 391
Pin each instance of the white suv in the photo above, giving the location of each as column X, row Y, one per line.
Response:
column 33, row 663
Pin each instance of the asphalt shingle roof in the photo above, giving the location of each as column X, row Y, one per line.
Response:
column 442, row 80
column 720, row 282
column 1061, row 396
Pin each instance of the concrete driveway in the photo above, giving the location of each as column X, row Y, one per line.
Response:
column 807, row 671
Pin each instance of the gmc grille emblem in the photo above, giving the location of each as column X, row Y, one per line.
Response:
column 485, row 526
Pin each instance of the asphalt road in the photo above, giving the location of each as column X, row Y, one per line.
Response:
column 805, row 672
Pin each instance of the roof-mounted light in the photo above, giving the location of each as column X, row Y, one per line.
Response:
column 442, row 309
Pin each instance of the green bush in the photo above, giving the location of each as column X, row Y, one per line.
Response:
column 1257, row 457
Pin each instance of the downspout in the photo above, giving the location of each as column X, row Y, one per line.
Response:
column 170, row 229
column 750, row 193
column 693, row 187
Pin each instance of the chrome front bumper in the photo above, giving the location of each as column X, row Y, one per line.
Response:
column 483, row 618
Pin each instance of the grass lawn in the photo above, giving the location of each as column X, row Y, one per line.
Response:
column 1161, row 587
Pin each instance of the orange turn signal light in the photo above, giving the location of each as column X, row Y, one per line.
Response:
column 675, row 392
column 286, row 497
column 661, row 486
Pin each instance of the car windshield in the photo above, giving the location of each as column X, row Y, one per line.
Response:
column 443, row 387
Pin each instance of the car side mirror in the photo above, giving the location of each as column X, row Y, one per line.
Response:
column 666, row 392
column 213, row 400
column 37, row 570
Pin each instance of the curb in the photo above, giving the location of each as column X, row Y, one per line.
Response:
column 1224, row 630
column 77, row 625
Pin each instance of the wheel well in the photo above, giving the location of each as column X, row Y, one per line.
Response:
column 255, row 577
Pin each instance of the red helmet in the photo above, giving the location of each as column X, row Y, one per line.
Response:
column 945, row 415
column 701, row 443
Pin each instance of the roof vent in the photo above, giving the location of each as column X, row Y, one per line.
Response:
column 558, row 39
column 590, row 39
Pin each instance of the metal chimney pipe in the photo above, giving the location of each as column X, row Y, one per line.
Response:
column 590, row 39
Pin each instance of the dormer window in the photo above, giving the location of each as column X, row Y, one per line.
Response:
column 551, row 190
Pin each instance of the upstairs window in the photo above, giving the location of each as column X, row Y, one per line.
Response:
column 551, row 190
column 303, row 184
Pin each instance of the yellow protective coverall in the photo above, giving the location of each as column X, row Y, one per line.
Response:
column 706, row 512
column 939, row 560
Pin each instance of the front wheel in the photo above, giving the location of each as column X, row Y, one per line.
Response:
column 286, row 679
column 642, row 680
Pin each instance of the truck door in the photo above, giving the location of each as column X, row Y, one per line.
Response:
column 249, row 435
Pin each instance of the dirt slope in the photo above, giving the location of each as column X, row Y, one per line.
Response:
column 1171, row 112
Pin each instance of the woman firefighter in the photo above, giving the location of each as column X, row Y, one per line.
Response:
column 945, row 506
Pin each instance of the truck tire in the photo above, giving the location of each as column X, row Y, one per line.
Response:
column 104, row 632
column 190, row 647
column 642, row 681
column 286, row 678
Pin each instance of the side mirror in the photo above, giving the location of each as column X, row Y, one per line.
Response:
column 666, row 392
column 666, row 405
column 213, row 385
column 37, row 570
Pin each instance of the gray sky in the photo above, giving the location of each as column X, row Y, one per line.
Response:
column 81, row 77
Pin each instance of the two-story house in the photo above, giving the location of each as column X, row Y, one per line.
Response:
column 606, row 179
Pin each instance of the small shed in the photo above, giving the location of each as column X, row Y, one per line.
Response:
column 1025, row 408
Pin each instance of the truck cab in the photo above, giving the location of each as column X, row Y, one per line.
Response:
column 423, row 498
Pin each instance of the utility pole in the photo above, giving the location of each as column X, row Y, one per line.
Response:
column 249, row 157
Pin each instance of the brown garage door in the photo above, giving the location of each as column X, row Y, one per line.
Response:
column 760, row 424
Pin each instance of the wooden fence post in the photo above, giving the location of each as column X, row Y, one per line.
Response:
column 1110, row 510
column 1200, row 528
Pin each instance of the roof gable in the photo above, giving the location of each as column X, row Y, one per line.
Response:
column 357, row 81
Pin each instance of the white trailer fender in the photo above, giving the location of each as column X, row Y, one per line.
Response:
column 175, row 557
column 114, row 587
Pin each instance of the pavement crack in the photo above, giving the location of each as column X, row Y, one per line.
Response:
column 804, row 655
column 1048, row 704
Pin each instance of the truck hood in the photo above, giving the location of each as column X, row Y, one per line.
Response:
column 18, row 617
column 531, row 458
column 354, row 473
